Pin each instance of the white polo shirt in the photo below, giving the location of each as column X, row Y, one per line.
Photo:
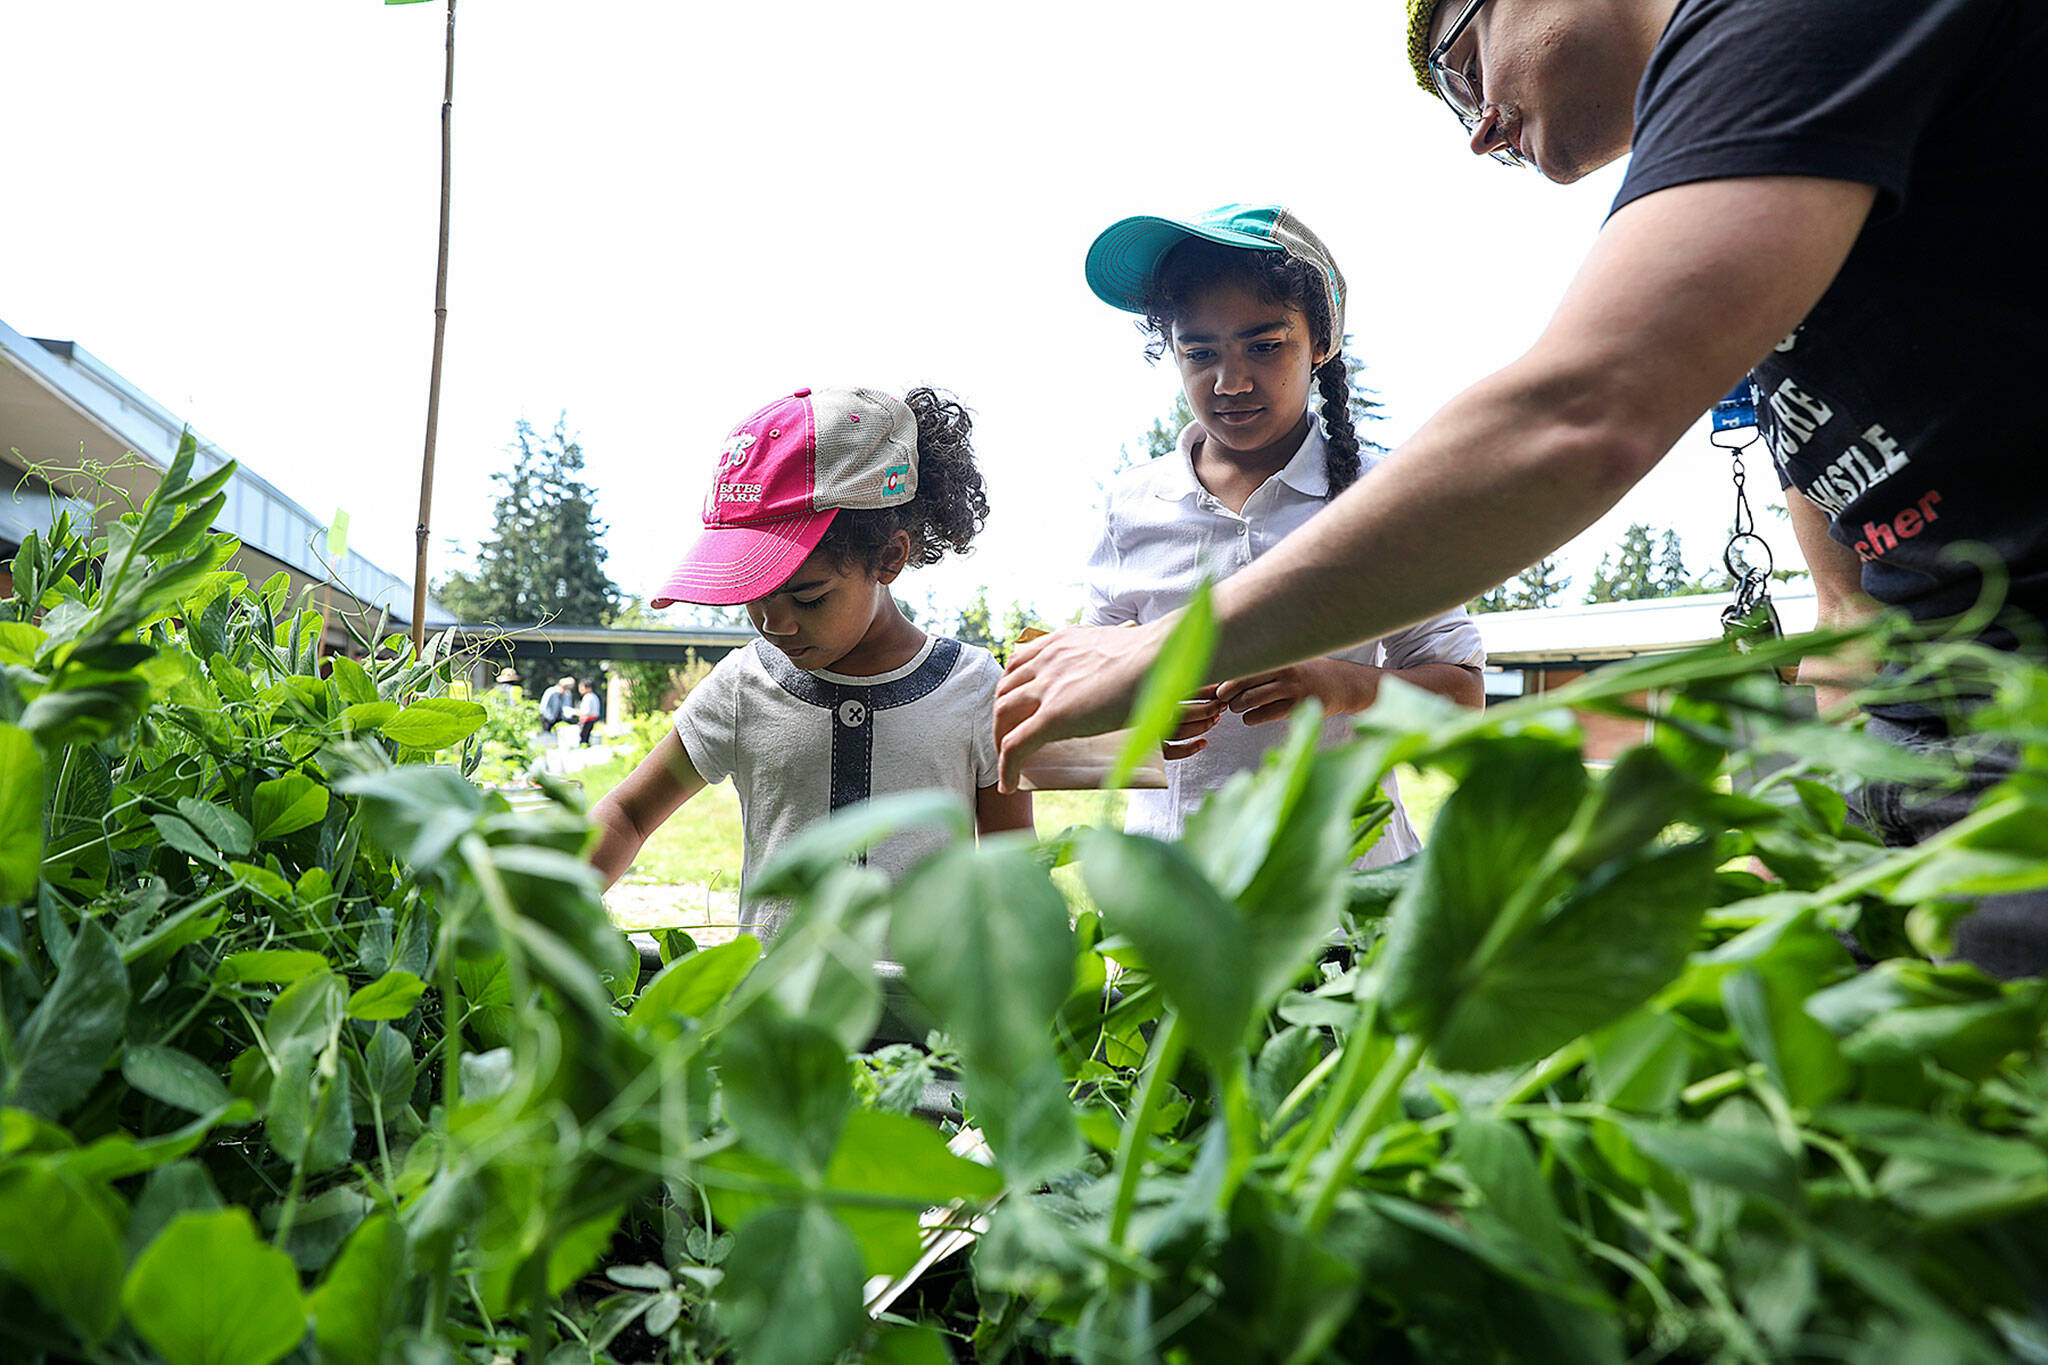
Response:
column 1162, row 533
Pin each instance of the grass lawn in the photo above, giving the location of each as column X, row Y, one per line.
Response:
column 689, row 872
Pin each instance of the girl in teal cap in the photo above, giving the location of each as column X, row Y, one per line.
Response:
column 1248, row 304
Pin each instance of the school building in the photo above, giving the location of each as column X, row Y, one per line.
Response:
column 63, row 412
column 1532, row 652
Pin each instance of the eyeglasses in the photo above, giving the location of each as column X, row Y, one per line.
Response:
column 1464, row 98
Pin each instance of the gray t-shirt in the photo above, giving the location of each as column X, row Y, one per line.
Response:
column 799, row 745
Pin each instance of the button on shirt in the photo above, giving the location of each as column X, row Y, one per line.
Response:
column 1162, row 533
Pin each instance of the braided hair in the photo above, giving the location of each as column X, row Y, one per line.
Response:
column 950, row 505
column 1277, row 277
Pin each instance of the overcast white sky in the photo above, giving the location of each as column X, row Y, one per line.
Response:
column 668, row 214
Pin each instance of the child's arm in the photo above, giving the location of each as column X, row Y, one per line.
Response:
column 627, row 814
column 1441, row 655
column 996, row 810
column 1342, row 686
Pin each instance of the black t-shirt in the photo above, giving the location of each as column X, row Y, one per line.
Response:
column 1912, row 403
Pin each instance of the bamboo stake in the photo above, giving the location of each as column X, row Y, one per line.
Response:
column 420, row 532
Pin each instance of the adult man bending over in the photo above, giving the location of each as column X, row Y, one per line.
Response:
column 1846, row 198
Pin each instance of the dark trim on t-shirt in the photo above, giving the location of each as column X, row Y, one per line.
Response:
column 853, row 708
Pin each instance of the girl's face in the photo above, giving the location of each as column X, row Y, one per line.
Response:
column 826, row 611
column 1247, row 365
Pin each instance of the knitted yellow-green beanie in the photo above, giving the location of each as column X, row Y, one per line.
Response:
column 1420, row 12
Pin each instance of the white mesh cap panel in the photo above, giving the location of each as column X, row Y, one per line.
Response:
column 866, row 449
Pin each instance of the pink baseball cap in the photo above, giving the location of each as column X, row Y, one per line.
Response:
column 783, row 475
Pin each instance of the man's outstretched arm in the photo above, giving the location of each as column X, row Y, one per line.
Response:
column 1683, row 292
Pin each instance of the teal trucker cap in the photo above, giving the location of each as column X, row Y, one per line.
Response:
column 1125, row 258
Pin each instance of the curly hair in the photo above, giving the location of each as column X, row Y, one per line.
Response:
column 950, row 505
column 1277, row 277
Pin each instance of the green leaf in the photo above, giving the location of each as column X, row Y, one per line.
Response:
column 1752, row 1163
column 278, row 965
column 184, row 838
column 186, row 529
column 1193, row 941
column 351, row 683
column 262, row 881
column 1615, row 942
column 435, row 723
column 1641, row 1062
column 384, row 1075
column 831, row 844
column 894, row 1345
column 21, row 819
column 20, row 642
column 787, row 1086
column 1491, row 837
column 181, row 1187
column 390, row 996
column 985, row 941
column 416, row 811
column 311, row 1007
column 691, row 987
column 285, row 805
column 893, row 1155
column 1893, row 1284
column 792, row 1288
column 1515, row 1198
column 356, row 1307
column 208, row 1291
column 59, row 1236
column 66, row 1043
column 311, row 1115
column 177, row 1078
column 1172, row 679
column 367, row 715
column 228, row 831
column 986, row 944
column 1801, row 1056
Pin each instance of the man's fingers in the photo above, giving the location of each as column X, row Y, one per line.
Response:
column 1235, row 687
column 1173, row 749
column 1023, row 666
column 1012, row 748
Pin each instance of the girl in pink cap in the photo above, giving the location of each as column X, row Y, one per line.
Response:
column 820, row 501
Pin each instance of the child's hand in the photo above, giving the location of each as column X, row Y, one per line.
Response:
column 1343, row 688
column 1198, row 716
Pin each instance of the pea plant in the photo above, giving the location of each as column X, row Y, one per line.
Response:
column 311, row 1049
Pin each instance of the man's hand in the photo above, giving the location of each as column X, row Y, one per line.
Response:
column 1077, row 681
column 1343, row 687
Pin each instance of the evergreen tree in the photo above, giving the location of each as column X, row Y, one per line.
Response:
column 1628, row 572
column 1539, row 585
column 544, row 560
column 1672, row 579
column 1646, row 564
